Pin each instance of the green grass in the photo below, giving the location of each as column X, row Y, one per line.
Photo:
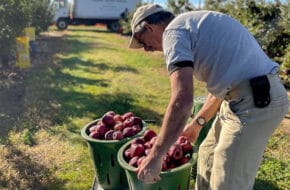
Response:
column 94, row 72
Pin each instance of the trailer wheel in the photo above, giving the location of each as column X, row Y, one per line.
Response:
column 62, row 24
column 114, row 26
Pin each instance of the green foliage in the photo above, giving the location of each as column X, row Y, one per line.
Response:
column 285, row 67
column 27, row 137
column 15, row 15
column 286, row 59
column 41, row 16
column 126, row 23
column 268, row 22
column 274, row 173
column 179, row 6
column 18, row 14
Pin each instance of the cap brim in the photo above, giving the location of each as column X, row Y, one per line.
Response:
column 134, row 44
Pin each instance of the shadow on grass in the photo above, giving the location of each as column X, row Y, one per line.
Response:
column 79, row 44
column 94, row 67
column 78, row 105
column 53, row 80
column 30, row 174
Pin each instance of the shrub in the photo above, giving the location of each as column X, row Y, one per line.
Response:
column 15, row 16
column 41, row 16
column 126, row 23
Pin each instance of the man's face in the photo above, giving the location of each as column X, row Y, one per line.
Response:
column 151, row 37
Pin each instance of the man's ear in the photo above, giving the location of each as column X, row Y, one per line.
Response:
column 148, row 27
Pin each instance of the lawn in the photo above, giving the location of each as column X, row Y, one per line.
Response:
column 76, row 76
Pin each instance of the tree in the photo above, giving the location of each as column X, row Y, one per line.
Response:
column 15, row 16
column 126, row 23
column 41, row 15
column 179, row 6
column 268, row 22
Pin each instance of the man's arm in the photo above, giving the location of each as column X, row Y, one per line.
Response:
column 177, row 113
column 208, row 111
column 178, row 110
column 209, row 108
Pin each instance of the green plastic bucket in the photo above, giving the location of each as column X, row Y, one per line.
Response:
column 198, row 103
column 109, row 174
column 174, row 179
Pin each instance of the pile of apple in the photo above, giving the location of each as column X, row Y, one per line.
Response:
column 114, row 126
column 179, row 153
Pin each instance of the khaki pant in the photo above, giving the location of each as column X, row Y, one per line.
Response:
column 230, row 155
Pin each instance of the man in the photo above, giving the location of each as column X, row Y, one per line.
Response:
column 243, row 86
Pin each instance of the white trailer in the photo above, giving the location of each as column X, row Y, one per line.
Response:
column 90, row 12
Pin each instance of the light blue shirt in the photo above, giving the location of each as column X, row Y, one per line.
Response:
column 222, row 51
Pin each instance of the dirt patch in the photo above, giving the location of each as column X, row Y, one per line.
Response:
column 24, row 167
column 12, row 86
column 284, row 126
column 12, row 90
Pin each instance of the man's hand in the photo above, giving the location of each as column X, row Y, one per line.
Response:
column 191, row 131
column 149, row 170
column 208, row 111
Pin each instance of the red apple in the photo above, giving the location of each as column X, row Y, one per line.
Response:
column 109, row 135
column 136, row 128
column 138, row 140
column 118, row 118
column 136, row 150
column 171, row 165
column 102, row 129
column 128, row 132
column 149, row 134
column 108, row 120
column 95, row 135
column 129, row 122
column 183, row 160
column 93, row 128
column 137, row 121
column 119, row 126
column 117, row 135
column 175, row 152
column 127, row 115
column 185, row 144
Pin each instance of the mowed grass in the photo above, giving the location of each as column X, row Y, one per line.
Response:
column 93, row 72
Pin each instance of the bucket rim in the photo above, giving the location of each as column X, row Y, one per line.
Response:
column 126, row 166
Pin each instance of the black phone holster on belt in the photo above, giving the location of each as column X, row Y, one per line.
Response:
column 261, row 91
